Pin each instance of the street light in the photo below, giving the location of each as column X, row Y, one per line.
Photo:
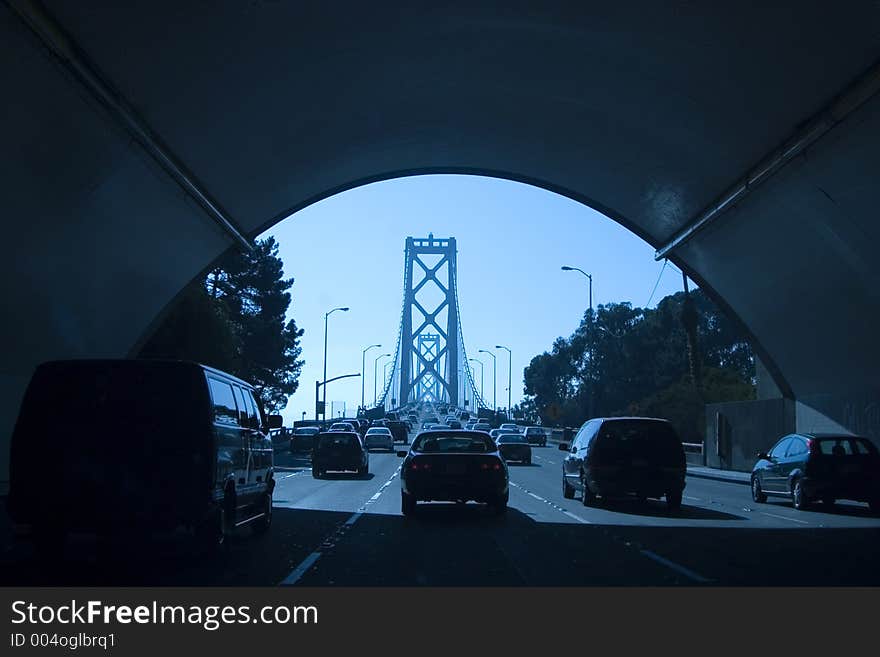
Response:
column 592, row 391
column 324, row 398
column 363, row 369
column 375, row 376
column 494, row 379
column 567, row 268
column 482, row 389
column 509, row 377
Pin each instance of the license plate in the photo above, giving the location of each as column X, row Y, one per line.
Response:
column 455, row 468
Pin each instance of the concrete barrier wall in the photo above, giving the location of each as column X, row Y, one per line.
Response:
column 735, row 431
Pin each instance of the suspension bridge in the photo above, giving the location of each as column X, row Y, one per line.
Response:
column 430, row 359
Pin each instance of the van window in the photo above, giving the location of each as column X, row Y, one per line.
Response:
column 249, row 414
column 225, row 410
column 242, row 407
column 259, row 420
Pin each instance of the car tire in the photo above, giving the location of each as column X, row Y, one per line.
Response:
column 828, row 501
column 758, row 494
column 874, row 505
column 528, row 460
column 407, row 504
column 673, row 500
column 499, row 505
column 262, row 525
column 589, row 497
column 567, row 489
column 316, row 473
column 798, row 496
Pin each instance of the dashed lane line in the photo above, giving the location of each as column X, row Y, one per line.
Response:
column 333, row 538
column 573, row 516
column 687, row 572
column 682, row 570
column 773, row 515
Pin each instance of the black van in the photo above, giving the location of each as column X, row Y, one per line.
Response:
column 140, row 446
column 619, row 456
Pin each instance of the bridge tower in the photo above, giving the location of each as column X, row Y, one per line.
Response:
column 429, row 340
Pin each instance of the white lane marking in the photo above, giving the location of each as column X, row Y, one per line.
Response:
column 773, row 515
column 574, row 516
column 691, row 497
column 687, row 572
column 301, row 569
column 330, row 541
column 550, row 503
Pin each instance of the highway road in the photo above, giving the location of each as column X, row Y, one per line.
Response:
column 348, row 531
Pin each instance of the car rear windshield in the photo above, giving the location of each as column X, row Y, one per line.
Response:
column 511, row 438
column 638, row 435
column 846, row 446
column 379, row 430
column 306, row 431
column 337, row 441
column 440, row 443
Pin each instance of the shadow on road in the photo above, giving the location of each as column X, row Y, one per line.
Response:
column 463, row 545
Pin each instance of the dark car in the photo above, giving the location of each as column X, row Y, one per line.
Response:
column 827, row 467
column 453, row 466
column 302, row 439
column 612, row 457
column 453, row 424
column 536, row 436
column 339, row 451
column 514, row 447
column 138, row 447
column 343, row 426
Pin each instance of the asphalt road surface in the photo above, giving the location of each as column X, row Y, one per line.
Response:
column 348, row 531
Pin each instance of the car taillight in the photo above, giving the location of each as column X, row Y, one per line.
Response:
column 813, row 446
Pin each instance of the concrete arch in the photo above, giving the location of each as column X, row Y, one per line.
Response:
column 143, row 137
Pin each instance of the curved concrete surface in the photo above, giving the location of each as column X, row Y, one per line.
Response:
column 645, row 111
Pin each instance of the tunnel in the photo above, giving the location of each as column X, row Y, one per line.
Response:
column 142, row 140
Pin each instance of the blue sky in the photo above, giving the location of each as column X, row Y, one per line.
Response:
column 512, row 240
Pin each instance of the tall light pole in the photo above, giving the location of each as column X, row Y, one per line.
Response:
column 363, row 369
column 482, row 389
column 509, row 377
column 494, row 379
column 567, row 268
column 590, row 329
column 376, row 376
column 324, row 396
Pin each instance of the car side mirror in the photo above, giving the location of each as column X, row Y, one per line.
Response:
column 401, row 454
column 275, row 421
column 563, row 447
column 763, row 456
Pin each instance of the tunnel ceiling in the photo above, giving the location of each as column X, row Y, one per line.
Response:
column 647, row 111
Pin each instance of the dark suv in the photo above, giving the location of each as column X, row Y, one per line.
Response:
column 827, row 467
column 625, row 455
column 140, row 447
column 339, row 451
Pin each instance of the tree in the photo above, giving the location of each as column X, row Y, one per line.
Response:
column 624, row 360
column 196, row 328
column 256, row 294
column 235, row 319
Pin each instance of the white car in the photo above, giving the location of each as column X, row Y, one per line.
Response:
column 379, row 437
